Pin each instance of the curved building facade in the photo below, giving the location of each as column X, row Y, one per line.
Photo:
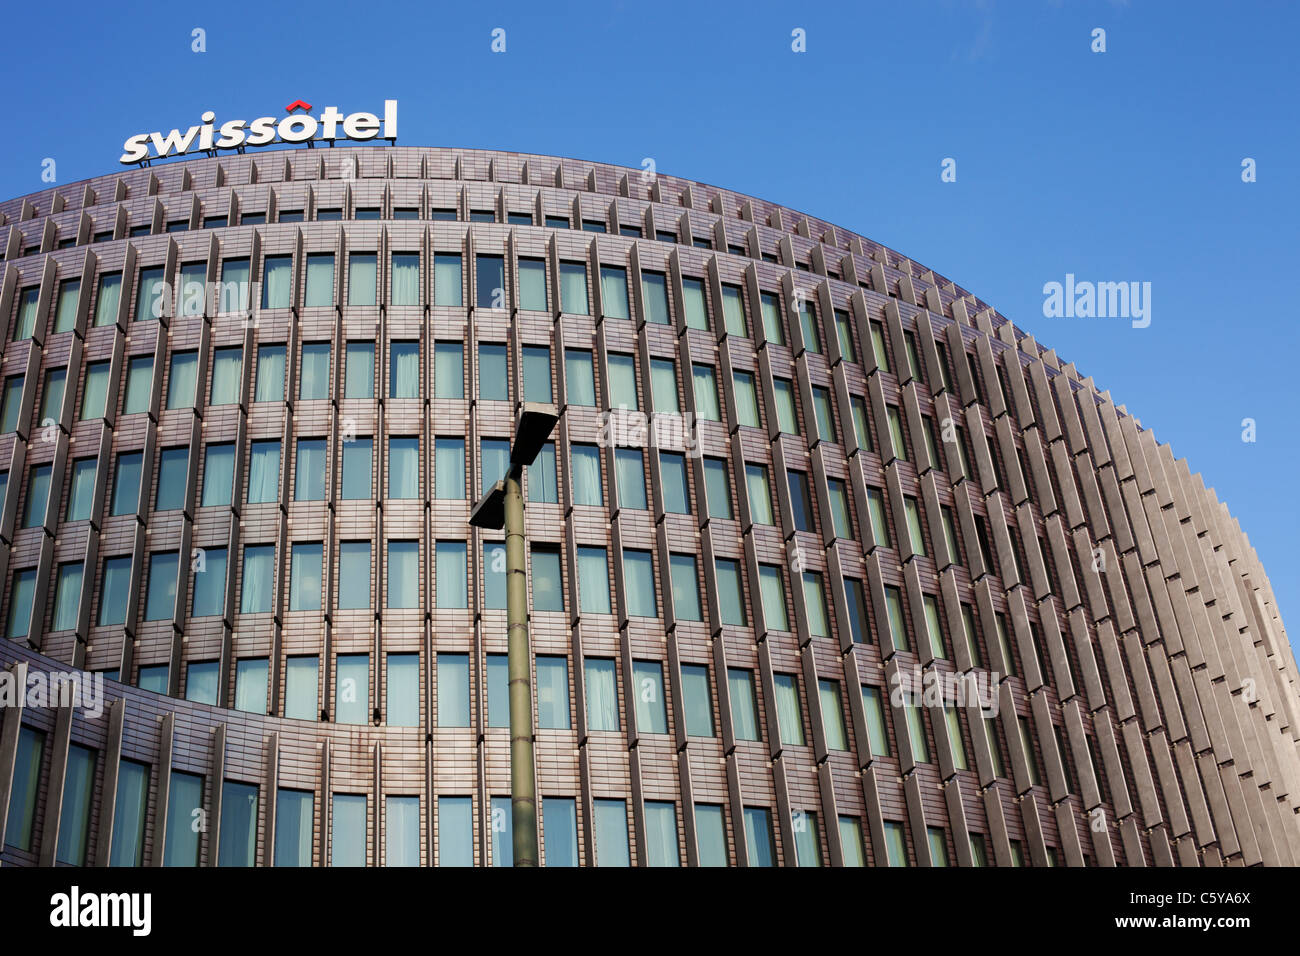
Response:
column 828, row 562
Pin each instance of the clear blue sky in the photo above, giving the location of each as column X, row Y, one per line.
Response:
column 1124, row 165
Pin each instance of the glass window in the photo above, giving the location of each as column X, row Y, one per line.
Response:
column 579, row 381
column 305, row 576
column 648, row 688
column 93, row 396
column 839, row 501
column 227, row 368
column 879, row 519
column 560, row 831
column 301, row 676
column 697, row 699
column 320, row 280
column 832, row 715
column 201, row 681
column 405, row 288
column 717, row 488
column 238, row 824
column 151, row 295
column 541, row 476
column 731, row 597
column 314, row 382
column 455, row 831
column 758, row 837
column 450, row 575
column 807, row 841
column 453, row 690
column 573, row 288
column 446, row 279
column 52, row 395
column 449, row 468
column 786, row 419
column 955, row 740
column 672, row 473
column 155, row 678
column 139, row 384
column 552, row 693
column 277, row 281
column 218, row 474
column 593, row 580
column 403, row 691
column 404, row 574
column 348, row 830
column 639, row 584
column 586, row 475
column 895, row 844
column 789, row 713
column 800, row 501
column 161, row 602
column 654, row 294
column 251, row 676
column 259, row 578
column 711, row 834
column 448, row 370
column 733, row 311
column 861, row 430
column 878, row 349
column 532, row 285
column 359, row 371
column 663, row 385
column 613, row 292
column 294, row 814
column 825, row 414
column 622, row 381
column 933, row 628
column 760, row 496
column 844, row 333
column 113, row 590
column 127, row 847
column 502, row 832
column 352, row 689
column 82, row 492
column 611, row 832
column 746, row 399
column 354, row 575
column 744, row 707
column 25, row 787
column 182, row 383
column 193, row 288
column 548, row 594
column 209, row 599
column 494, row 576
column 493, row 373
column 184, row 809
column 38, row 496
column 915, row 534
column 404, row 370
column 109, row 299
column 705, row 382
column 126, row 483
column 814, row 602
column 916, row 733
column 896, row 431
column 362, row 278
column 897, row 621
column 356, row 483
column 537, row 373
column 630, row 475
column 693, row 303
column 773, row 327
column 661, row 834
column 852, row 848
column 808, row 325
column 67, row 595
column 403, row 467
column 602, row 694
column 498, row 690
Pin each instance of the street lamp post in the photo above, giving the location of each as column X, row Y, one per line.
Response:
column 503, row 506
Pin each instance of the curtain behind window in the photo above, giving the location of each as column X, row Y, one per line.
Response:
column 406, row 278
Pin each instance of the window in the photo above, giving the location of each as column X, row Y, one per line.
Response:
column 320, row 280
column 450, row 576
column 560, row 831
column 773, row 327
column 972, row 637
column 108, row 300
column 305, row 576
column 760, row 497
column 227, row 369
column 201, row 679
column 52, row 395
column 127, row 848
column 446, row 280
column 711, row 834
column 878, row 348
column 733, row 311
column 661, row 834
column 67, row 595
column 622, row 381
column 586, row 475
column 113, row 590
column 915, row 534
column 663, row 385
column 238, row 824
column 493, row 373
column 359, row 370
column 731, row 598
column 502, row 832
column 126, row 483
column 139, row 383
column 453, row 690
column 786, row 419
column 613, row 292
column 209, row 598
column 193, row 288
column 808, row 325
column 294, row 813
column 895, row 844
column 498, row 690
column 494, row 576
column 537, row 373
column 839, row 501
column 648, row 693
column 82, row 490
column 602, row 694
column 814, row 601
column 354, row 575
column 532, row 285
column 494, row 458
column 404, row 365
column 697, row 313
column 896, row 431
column 593, row 581
column 352, row 689
column 705, row 382
column 541, row 476
column 825, row 414
column 916, row 733
column 630, row 475
column 548, row 594
column 93, row 397
column 579, row 380
column 654, row 297
column 25, row 787
column 161, row 601
column 807, row 840
column 772, row 595
column 455, row 831
column 403, row 467
column 697, row 700
column 573, row 288
column 844, row 334
column 744, row 707
column 746, row 399
column 13, row 396
column 38, row 496
column 259, row 576
column 611, row 832
column 277, row 281
column 403, row 690
column 404, row 574
column 897, row 622
column 348, row 830
column 218, row 474
column 978, row 850
column 832, row 715
column 639, row 584
column 449, row 468
column 154, row 678
column 1027, row 745
column 20, row 603
column 552, row 693
column 758, row 837
column 151, row 295
column 182, row 383
column 788, row 711
column 448, row 370
column 800, row 501
column 405, row 288
column 672, row 475
column 314, row 381
column 251, row 674
column 356, row 482
column 954, row 736
column 184, row 807
column 934, row 630
column 717, row 488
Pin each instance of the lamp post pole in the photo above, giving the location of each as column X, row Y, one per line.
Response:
column 523, row 789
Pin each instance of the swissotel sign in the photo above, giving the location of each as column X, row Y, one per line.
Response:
column 234, row 134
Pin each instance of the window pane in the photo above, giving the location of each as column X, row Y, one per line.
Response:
column 403, row 691
column 67, row 596
column 731, row 597
column 573, row 288
column 648, row 688
column 654, row 293
column 502, row 832
column 109, row 299
column 494, row 461
column 139, row 383
column 161, row 602
column 183, row 384
column 733, row 311
column 788, row 711
column 697, row 315
column 403, row 467
column 116, row 582
column 493, row 373
column 453, row 690
column 362, row 282
column 352, row 689
column 560, row 831
column 38, row 495
column 450, row 576
column 711, row 834
column 717, row 488
column 773, row 326
column 455, row 831
column 532, row 285
column 227, row 368
column 824, row 413
column 184, row 807
column 301, row 676
column 93, row 396
column 602, row 694
column 800, row 501
column 348, row 830
column 542, row 478
column 744, row 708
column 760, row 498
column 686, row 589
column 314, row 380
column 449, row 468
column 404, row 574
column 586, row 475
column 359, row 373
column 786, row 419
column 639, row 584
column 294, row 813
column 547, row 591
column 593, row 581
column 259, row 575
column 758, row 837
column 446, row 279
column 251, row 676
column 406, row 279
column 622, row 381
column 832, row 715
column 127, row 848
column 672, row 473
column 78, row 791
column 895, row 844
column 20, row 603
column 126, row 483
column 661, row 834
column 814, row 602
column 611, row 833
column 552, row 693
column 663, row 385
column 897, row 623
column 705, row 383
column 151, row 298
column 746, row 399
column 613, row 292
column 201, row 682
column 356, row 469
column 807, row 841
column 697, row 700
column 498, row 690
column 277, row 282
column 218, row 475
column 448, row 370
column 305, row 577
column 354, row 575
column 209, row 584
column 404, row 370
column 630, row 475
column 772, row 594
column 320, row 280
column 537, row 373
column 579, row 382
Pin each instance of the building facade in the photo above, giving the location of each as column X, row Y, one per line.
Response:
column 829, row 564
